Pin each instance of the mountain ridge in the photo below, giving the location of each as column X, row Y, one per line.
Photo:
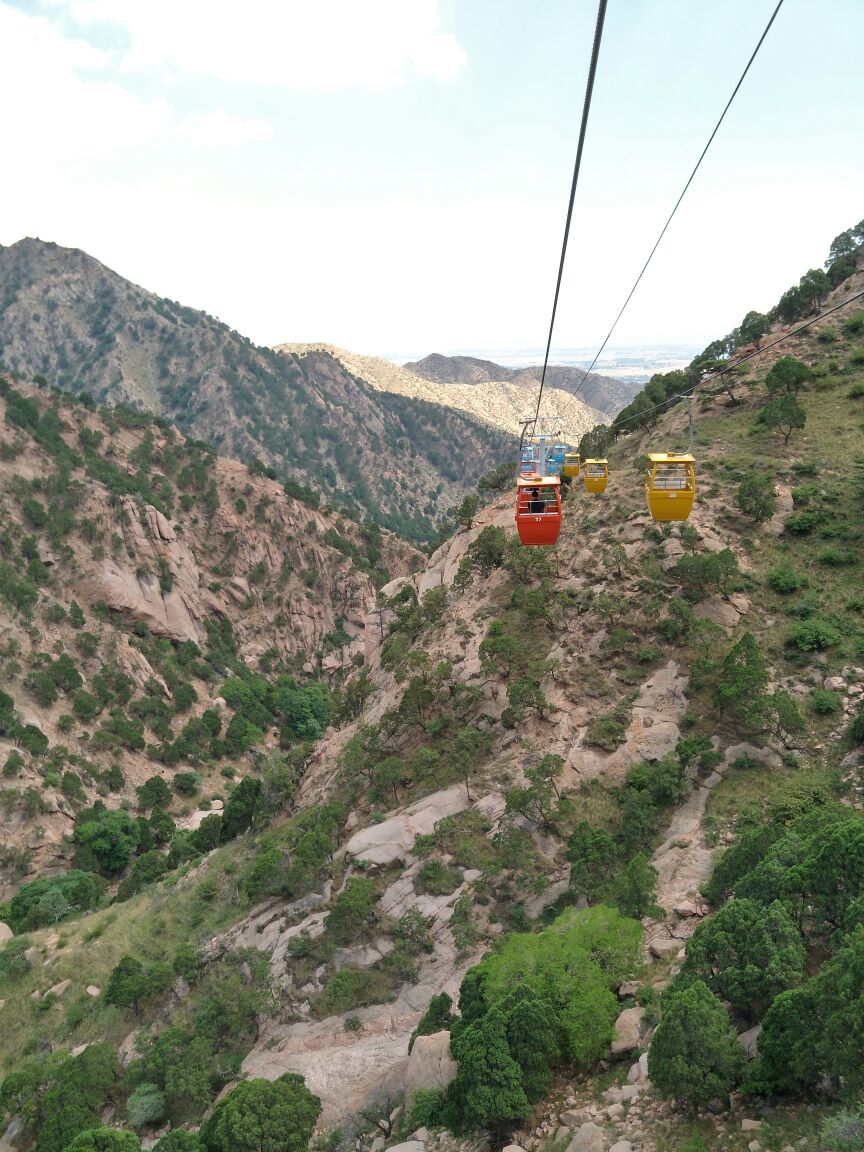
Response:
column 66, row 317
column 605, row 393
column 501, row 403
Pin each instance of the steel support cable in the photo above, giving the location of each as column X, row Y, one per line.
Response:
column 730, row 367
column 681, row 197
column 586, row 108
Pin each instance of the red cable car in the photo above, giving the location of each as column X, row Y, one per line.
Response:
column 538, row 509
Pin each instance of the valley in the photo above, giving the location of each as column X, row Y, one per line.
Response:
column 282, row 792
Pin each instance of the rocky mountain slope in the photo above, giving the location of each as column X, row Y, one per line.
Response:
column 67, row 318
column 122, row 543
column 501, row 403
column 604, row 393
column 546, row 749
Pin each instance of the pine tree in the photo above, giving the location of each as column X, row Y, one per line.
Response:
column 695, row 1055
column 532, row 1029
column 487, row 1091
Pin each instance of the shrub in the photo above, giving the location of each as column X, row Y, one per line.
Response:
column 845, row 1131
column 825, row 703
column 145, row 1106
column 836, row 557
column 436, row 879
column 813, row 635
column 353, row 910
column 756, row 497
column 605, row 732
column 186, row 783
column 427, row 1110
column 784, row 580
column 14, row 960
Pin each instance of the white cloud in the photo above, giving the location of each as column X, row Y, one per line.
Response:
column 63, row 116
column 301, row 44
column 220, row 130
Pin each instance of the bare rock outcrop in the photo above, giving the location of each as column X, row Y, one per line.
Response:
column 430, row 1064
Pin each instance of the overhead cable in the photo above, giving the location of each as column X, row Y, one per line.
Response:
column 678, row 201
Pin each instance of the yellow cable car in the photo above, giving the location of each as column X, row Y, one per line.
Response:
column 572, row 463
column 595, row 474
column 670, row 485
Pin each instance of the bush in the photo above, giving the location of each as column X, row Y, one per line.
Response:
column 186, row 783
column 353, row 911
column 427, row 1109
column 784, row 580
column 836, row 557
column 813, row 635
column 825, row 703
column 145, row 1106
column 845, row 1131
column 436, row 879
column 756, row 497
column 13, row 958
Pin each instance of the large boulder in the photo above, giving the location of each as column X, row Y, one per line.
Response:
column 6, row 934
column 430, row 1064
column 628, row 1030
column 589, row 1137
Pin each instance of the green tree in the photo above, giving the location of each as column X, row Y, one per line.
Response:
column 487, row 1091
column 145, row 1106
column 814, row 286
column 110, row 835
column 179, row 1140
column 788, row 376
column 499, row 651
column 747, row 955
column 695, row 1055
column 64, row 1121
column 264, row 1116
column 784, row 414
column 437, row 1018
column 743, row 676
column 104, row 1139
column 152, row 793
column 593, row 855
column 241, row 808
column 531, row 1027
column 635, row 888
column 486, row 552
column 467, row 510
column 353, row 910
column 753, row 327
column 756, row 497
column 789, row 1045
column 127, row 984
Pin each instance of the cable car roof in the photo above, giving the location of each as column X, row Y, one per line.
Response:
column 536, row 481
column 671, row 458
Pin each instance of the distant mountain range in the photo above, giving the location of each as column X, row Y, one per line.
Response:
column 604, row 393
column 489, row 394
column 395, row 459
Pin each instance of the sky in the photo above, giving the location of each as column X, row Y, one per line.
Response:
column 392, row 175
